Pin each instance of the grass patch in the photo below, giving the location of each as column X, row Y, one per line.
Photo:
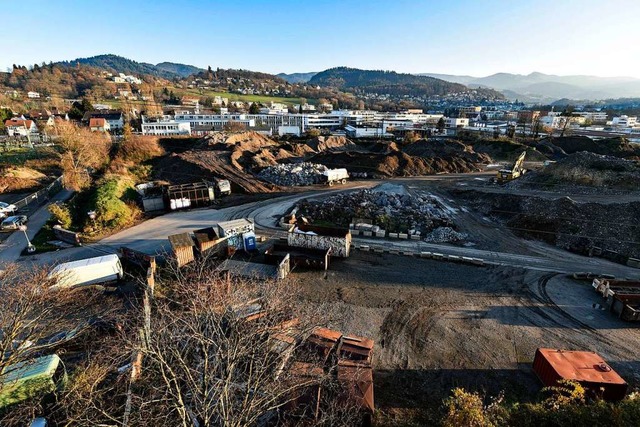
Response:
column 41, row 239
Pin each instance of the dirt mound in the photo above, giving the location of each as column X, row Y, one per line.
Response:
column 618, row 147
column 244, row 141
column 14, row 179
column 565, row 223
column 420, row 158
column 330, row 143
column 584, row 169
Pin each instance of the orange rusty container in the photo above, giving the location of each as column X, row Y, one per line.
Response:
column 584, row 367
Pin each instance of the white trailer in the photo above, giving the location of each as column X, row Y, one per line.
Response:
column 84, row 272
column 334, row 176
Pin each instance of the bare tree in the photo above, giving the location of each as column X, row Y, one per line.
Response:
column 80, row 149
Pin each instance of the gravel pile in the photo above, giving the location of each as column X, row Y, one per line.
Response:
column 294, row 174
column 396, row 213
column 444, row 235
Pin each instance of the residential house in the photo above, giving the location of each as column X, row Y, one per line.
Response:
column 33, row 95
column 113, row 117
column 20, row 127
column 98, row 125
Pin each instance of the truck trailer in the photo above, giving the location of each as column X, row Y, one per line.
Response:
column 85, row 272
column 334, row 176
column 321, row 238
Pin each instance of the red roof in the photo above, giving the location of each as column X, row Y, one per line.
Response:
column 18, row 122
column 97, row 123
column 580, row 366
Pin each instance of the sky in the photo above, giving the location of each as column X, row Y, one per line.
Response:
column 469, row 37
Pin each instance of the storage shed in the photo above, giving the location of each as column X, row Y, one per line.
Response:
column 585, row 367
column 182, row 245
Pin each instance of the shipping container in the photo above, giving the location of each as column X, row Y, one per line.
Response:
column 85, row 272
column 315, row 237
column 235, row 227
column 584, row 367
column 302, row 257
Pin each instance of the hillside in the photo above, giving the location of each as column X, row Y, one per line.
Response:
column 547, row 87
column 183, row 70
column 115, row 63
column 297, row 77
column 389, row 83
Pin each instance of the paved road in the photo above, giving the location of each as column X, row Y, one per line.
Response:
column 12, row 246
column 151, row 236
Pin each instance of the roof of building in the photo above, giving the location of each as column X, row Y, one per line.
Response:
column 18, row 122
column 181, row 240
column 104, row 114
column 97, row 122
column 580, row 366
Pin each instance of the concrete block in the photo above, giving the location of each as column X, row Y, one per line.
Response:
column 367, row 233
column 380, row 233
column 403, row 236
column 425, row 254
column 436, row 255
column 453, row 258
column 364, row 247
column 378, row 249
column 415, row 237
column 393, row 235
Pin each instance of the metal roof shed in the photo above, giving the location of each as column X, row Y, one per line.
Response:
column 584, row 367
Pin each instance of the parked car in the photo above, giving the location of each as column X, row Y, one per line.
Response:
column 13, row 222
column 6, row 209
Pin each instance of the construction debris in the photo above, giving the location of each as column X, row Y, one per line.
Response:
column 386, row 210
column 294, row 174
column 444, row 235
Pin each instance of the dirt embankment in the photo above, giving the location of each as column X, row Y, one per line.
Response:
column 19, row 179
column 240, row 156
column 573, row 226
column 618, row 147
column 585, row 172
column 423, row 157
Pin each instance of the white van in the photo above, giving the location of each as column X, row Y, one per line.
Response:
column 90, row 271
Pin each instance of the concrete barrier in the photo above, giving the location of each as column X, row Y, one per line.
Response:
column 364, row 247
column 425, row 254
column 403, row 236
column 415, row 237
column 378, row 249
column 393, row 235
column 437, row 256
column 380, row 233
column 633, row 262
column 367, row 233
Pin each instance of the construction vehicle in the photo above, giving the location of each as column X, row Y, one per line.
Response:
column 334, row 176
column 516, row 171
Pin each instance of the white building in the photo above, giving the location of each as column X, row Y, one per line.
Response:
column 625, row 121
column 33, row 95
column 20, row 127
column 166, row 126
column 454, row 122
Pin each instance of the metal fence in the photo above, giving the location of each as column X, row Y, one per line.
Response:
column 41, row 195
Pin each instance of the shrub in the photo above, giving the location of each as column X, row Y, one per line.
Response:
column 111, row 210
column 60, row 214
column 465, row 409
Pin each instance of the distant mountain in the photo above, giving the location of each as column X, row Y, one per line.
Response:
column 118, row 64
column 297, row 77
column 183, row 70
column 388, row 82
column 547, row 88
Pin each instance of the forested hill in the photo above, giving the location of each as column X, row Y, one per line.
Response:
column 118, row 64
column 388, row 82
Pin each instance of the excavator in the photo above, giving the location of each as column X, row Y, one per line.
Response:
column 506, row 175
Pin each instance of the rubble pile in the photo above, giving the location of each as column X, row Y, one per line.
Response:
column 293, row 174
column 390, row 211
column 444, row 235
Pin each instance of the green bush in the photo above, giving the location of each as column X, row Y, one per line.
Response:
column 111, row 210
column 61, row 214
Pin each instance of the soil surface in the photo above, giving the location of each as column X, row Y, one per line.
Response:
column 438, row 325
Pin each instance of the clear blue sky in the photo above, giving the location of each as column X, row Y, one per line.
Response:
column 476, row 37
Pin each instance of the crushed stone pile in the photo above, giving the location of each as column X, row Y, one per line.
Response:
column 293, row 174
column 444, row 235
column 390, row 211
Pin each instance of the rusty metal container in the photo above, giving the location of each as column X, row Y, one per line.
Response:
column 314, row 237
column 584, row 367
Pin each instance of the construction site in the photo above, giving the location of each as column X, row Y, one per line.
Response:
column 425, row 281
